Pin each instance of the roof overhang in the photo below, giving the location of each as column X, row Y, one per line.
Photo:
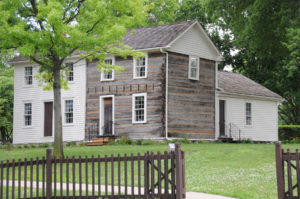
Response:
column 222, row 93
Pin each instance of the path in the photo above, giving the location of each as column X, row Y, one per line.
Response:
column 189, row 195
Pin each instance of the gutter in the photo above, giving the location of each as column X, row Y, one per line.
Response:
column 275, row 99
column 167, row 86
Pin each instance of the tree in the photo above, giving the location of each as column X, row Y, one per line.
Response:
column 162, row 11
column 265, row 35
column 48, row 31
column 6, row 98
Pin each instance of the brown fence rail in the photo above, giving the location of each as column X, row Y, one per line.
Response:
column 288, row 173
column 130, row 176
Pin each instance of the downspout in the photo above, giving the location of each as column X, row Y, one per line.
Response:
column 217, row 133
column 167, row 82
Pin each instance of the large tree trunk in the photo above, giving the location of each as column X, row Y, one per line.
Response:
column 58, row 136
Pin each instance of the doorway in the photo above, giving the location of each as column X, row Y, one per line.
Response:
column 48, row 118
column 106, row 115
column 222, row 117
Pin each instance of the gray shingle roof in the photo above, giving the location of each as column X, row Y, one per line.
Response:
column 155, row 36
column 236, row 83
column 149, row 37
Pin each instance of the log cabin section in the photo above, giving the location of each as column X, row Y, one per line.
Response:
column 167, row 87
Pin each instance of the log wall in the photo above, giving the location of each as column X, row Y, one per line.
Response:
column 191, row 104
column 122, row 88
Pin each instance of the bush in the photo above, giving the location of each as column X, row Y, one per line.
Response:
column 71, row 144
column 125, row 141
column 44, row 145
column 289, row 132
column 181, row 141
column 246, row 141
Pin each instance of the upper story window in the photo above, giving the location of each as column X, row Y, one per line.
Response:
column 28, row 114
column 140, row 67
column 70, row 74
column 69, row 111
column 28, row 75
column 194, row 68
column 139, row 108
column 108, row 75
column 248, row 114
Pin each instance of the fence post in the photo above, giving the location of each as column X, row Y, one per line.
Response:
column 179, row 172
column 279, row 170
column 49, row 174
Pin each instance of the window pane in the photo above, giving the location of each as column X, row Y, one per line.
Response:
column 248, row 114
column 139, row 108
column 70, row 75
column 108, row 61
column 28, row 114
column 69, row 111
column 28, row 75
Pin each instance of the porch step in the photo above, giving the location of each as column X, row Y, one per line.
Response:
column 226, row 139
column 100, row 141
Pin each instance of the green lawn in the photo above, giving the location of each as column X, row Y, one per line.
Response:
column 237, row 170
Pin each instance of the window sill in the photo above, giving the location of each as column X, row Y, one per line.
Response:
column 249, row 126
column 193, row 79
column 27, row 86
column 27, row 127
column 107, row 80
column 71, row 124
column 71, row 82
column 140, row 77
column 144, row 122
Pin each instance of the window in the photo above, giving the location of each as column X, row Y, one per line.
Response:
column 194, row 68
column 69, row 111
column 28, row 114
column 139, row 108
column 28, row 75
column 70, row 74
column 108, row 75
column 140, row 67
column 248, row 114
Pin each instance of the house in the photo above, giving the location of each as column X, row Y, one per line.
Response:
column 247, row 110
column 33, row 106
column 171, row 92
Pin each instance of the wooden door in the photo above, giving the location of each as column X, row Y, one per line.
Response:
column 222, row 117
column 48, row 118
column 108, row 120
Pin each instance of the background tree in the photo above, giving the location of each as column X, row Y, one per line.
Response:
column 48, row 31
column 6, row 97
column 265, row 32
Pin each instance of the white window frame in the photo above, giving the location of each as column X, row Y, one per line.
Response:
column 64, row 115
column 133, row 108
column 103, row 78
column 246, row 115
column 24, row 123
column 135, row 66
column 25, row 76
column 72, row 71
column 190, row 67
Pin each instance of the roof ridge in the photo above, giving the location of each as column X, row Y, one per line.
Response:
column 182, row 22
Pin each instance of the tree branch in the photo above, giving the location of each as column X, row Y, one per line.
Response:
column 71, row 18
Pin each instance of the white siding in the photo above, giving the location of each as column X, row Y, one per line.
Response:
column 194, row 42
column 37, row 96
column 264, row 117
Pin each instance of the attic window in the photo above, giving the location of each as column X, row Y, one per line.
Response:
column 28, row 75
column 140, row 67
column 194, row 68
column 70, row 74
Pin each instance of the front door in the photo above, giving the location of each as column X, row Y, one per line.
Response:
column 222, row 117
column 108, row 120
column 48, row 117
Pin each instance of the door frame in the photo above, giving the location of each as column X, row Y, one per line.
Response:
column 43, row 133
column 101, row 113
column 224, row 115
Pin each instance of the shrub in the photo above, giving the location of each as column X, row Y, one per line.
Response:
column 289, row 132
column 125, row 141
column 44, row 145
column 32, row 146
column 246, row 141
column 26, row 146
column 181, row 141
column 71, row 144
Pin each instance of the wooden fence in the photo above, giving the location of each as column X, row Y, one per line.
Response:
column 288, row 173
column 133, row 176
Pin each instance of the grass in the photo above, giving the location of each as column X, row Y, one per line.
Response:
column 236, row 170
